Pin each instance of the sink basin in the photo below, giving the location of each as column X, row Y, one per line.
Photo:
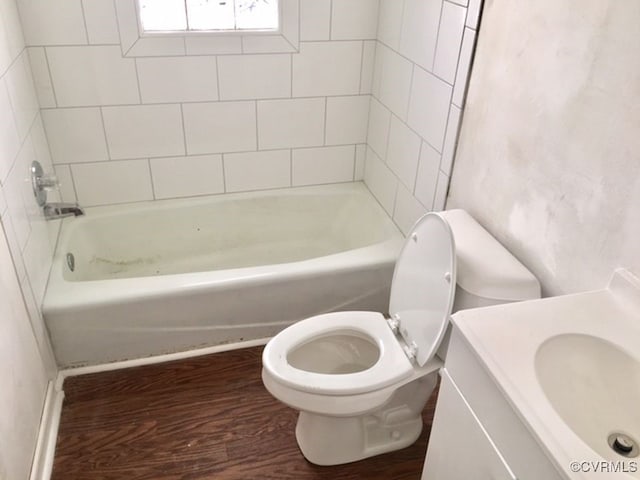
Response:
column 594, row 386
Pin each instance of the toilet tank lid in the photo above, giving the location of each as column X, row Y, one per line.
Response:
column 485, row 267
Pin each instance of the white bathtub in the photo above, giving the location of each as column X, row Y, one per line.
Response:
column 166, row 276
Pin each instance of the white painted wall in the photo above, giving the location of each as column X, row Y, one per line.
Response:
column 549, row 154
column 423, row 52
column 129, row 129
column 23, row 376
column 22, row 140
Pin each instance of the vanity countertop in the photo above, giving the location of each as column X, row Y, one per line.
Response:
column 508, row 339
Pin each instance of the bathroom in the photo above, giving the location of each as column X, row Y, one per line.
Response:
column 545, row 142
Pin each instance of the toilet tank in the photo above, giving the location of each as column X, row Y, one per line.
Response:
column 487, row 273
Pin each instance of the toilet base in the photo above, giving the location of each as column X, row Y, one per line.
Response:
column 328, row 440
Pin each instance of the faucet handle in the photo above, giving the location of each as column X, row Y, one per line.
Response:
column 41, row 182
column 47, row 181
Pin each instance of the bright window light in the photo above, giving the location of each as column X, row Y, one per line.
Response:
column 207, row 15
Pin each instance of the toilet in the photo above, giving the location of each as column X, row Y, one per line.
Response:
column 360, row 380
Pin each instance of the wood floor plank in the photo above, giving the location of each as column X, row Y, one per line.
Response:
column 198, row 419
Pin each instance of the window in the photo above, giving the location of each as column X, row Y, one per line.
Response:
column 241, row 37
column 208, row 15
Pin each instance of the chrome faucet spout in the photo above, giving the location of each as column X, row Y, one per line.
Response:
column 54, row 211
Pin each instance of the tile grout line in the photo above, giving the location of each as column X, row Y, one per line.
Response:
column 224, row 172
column 53, row 87
column 84, row 22
column 326, row 103
column 104, row 133
column 361, row 66
column 435, row 50
column 153, row 189
column 257, row 129
column 218, row 78
column 135, row 67
column 73, row 183
column 234, row 100
column 184, row 132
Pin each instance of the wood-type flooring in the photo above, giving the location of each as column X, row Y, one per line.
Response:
column 201, row 418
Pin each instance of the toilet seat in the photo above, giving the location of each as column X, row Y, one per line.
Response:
column 392, row 365
column 423, row 286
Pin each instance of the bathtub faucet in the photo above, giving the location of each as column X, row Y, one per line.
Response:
column 54, row 211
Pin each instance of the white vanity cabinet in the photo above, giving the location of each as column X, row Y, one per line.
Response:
column 476, row 433
column 460, row 447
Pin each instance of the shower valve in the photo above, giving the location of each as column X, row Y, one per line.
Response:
column 41, row 182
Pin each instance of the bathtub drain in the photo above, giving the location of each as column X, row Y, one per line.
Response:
column 71, row 261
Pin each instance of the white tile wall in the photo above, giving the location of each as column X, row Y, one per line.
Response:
column 315, row 20
column 177, row 79
column 427, row 174
column 473, row 15
column 89, row 76
column 464, row 64
column 101, row 22
column 246, row 77
column 257, row 170
column 220, row 127
column 53, row 22
column 380, row 73
column 407, row 209
column 313, row 166
column 354, row 19
column 30, row 238
column 429, row 106
column 42, row 79
column 12, row 40
column 187, row 176
column 291, row 123
column 379, row 122
column 67, row 189
column 381, row 181
column 403, row 152
column 449, row 41
column 390, row 23
column 22, row 94
column 143, row 131
column 368, row 64
column 112, row 182
column 421, row 70
column 361, row 158
column 9, row 139
column 419, row 35
column 209, row 98
column 450, row 140
column 327, row 68
column 16, row 198
column 3, row 202
column 442, row 188
column 76, row 135
column 392, row 81
column 347, row 119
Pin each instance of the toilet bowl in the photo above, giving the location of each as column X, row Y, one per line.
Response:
column 361, row 380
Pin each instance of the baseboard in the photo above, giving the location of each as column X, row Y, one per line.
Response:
column 48, row 432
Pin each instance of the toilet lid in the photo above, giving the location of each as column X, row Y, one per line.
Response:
column 423, row 285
